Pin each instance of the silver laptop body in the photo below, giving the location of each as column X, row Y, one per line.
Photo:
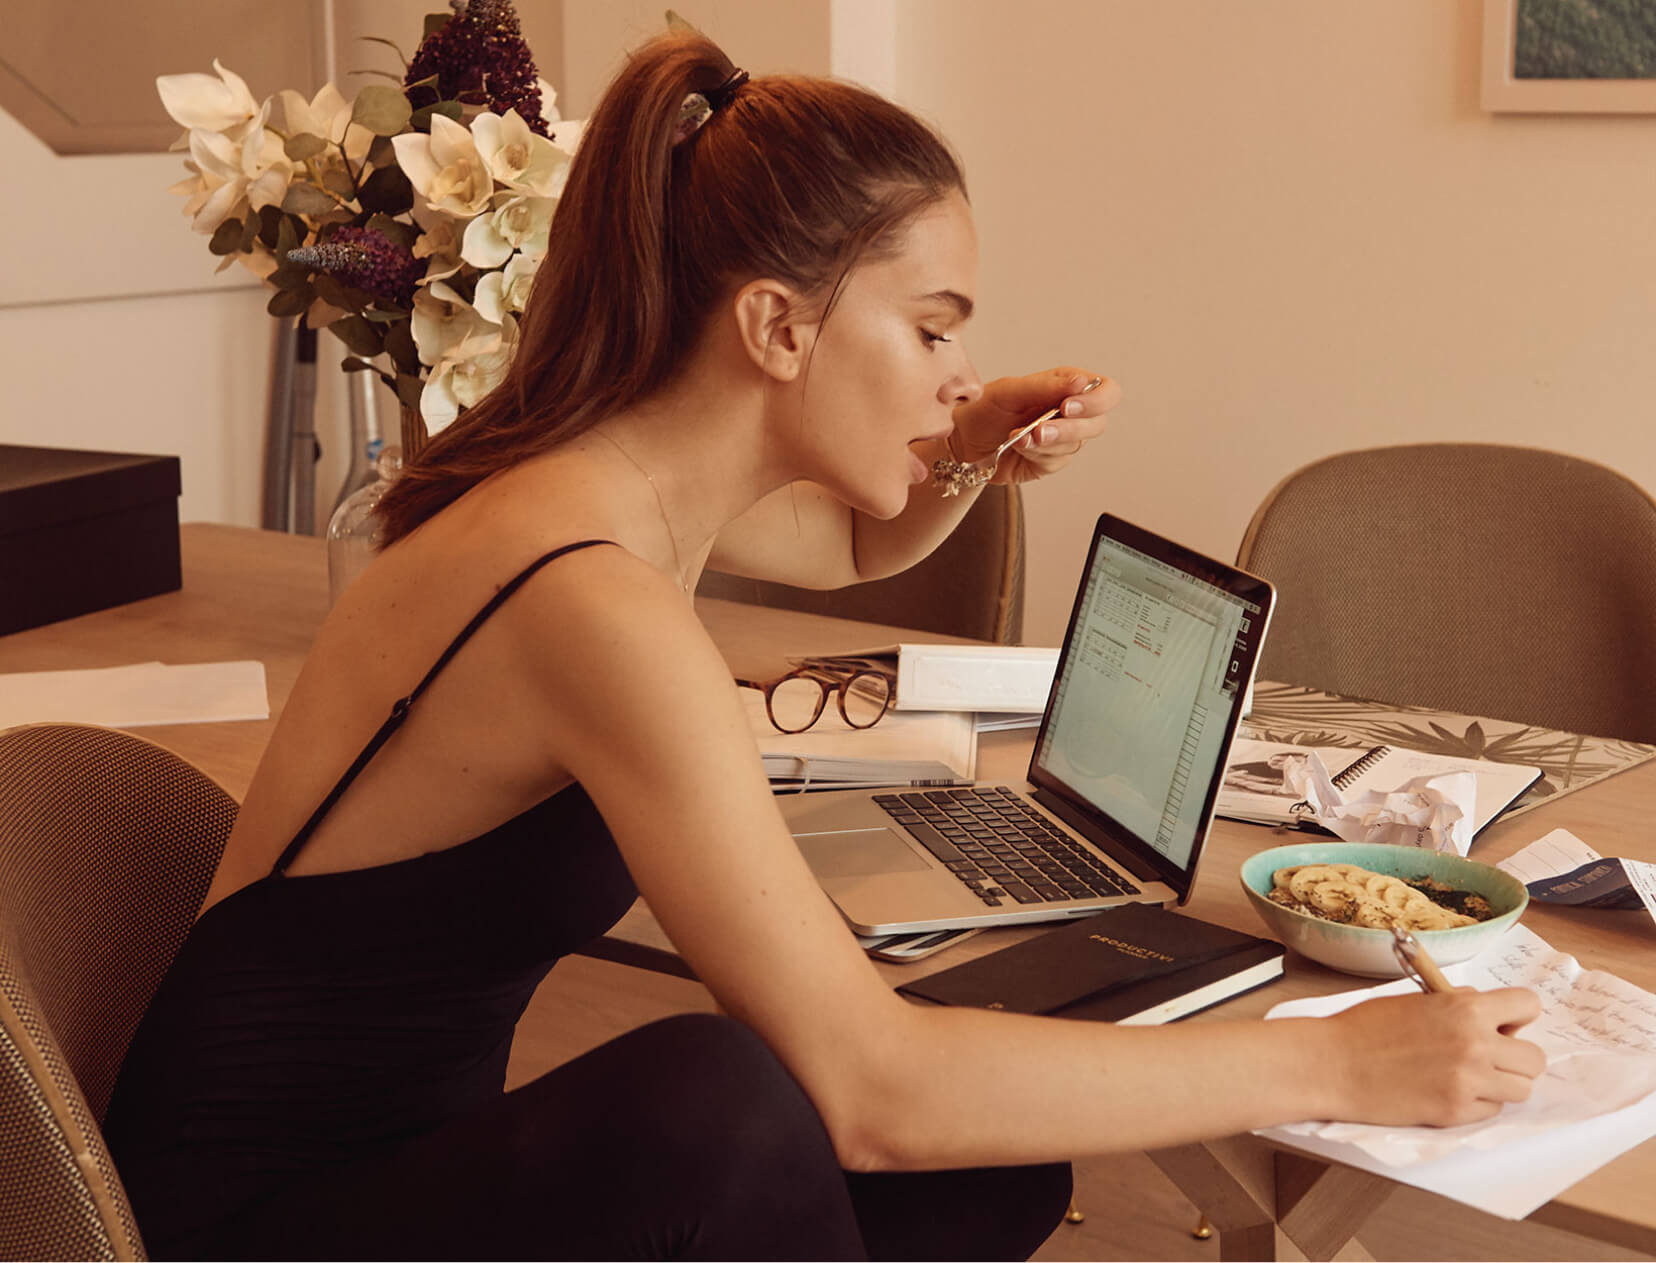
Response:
column 1160, row 651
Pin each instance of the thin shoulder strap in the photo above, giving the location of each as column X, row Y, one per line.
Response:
column 399, row 710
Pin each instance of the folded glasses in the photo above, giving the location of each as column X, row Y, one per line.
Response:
column 796, row 700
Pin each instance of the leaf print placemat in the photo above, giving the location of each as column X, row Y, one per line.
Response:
column 1568, row 761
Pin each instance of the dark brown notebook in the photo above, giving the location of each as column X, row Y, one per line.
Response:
column 1138, row 965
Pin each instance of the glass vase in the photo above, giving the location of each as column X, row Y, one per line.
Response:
column 353, row 530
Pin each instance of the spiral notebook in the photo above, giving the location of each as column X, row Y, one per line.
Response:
column 1256, row 785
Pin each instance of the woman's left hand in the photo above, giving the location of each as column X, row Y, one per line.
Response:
column 1009, row 402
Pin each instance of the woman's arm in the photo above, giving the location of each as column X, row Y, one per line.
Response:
column 642, row 711
column 803, row 536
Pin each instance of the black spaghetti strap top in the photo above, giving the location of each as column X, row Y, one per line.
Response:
column 316, row 1020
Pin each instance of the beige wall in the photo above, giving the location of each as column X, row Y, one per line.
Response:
column 1287, row 228
column 1284, row 225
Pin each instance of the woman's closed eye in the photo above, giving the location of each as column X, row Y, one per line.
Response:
column 932, row 339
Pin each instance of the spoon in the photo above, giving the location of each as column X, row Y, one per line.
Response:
column 952, row 477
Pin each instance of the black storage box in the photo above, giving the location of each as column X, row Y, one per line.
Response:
column 81, row 531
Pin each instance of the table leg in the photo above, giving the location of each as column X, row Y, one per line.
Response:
column 1234, row 1194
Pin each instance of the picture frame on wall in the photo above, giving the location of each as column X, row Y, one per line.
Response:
column 1546, row 57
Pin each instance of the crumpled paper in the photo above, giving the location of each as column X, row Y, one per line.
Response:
column 1433, row 813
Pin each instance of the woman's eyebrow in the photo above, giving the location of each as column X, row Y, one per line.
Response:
column 959, row 302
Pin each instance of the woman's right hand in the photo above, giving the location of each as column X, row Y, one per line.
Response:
column 1440, row 1060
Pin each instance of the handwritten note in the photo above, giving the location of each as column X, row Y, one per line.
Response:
column 1599, row 1034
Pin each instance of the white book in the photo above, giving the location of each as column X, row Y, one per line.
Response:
column 1256, row 785
column 1004, row 679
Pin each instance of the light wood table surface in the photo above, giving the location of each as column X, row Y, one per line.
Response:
column 262, row 595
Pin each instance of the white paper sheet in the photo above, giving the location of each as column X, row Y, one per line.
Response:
column 135, row 696
column 1596, row 1099
column 1433, row 812
column 1560, row 852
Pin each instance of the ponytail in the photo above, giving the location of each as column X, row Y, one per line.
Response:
column 790, row 177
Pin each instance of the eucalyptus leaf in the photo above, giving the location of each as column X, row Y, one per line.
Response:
column 435, row 22
column 270, row 228
column 380, row 317
column 678, row 24
column 332, row 290
column 303, row 145
column 382, row 153
column 359, row 335
column 399, row 343
column 351, row 364
column 289, row 275
column 420, row 120
column 286, row 238
column 226, row 238
column 394, row 230
column 307, row 199
column 382, row 110
column 387, row 191
column 338, row 180
column 409, row 390
column 250, row 232
column 290, row 302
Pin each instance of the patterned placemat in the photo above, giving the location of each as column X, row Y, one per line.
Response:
column 1309, row 717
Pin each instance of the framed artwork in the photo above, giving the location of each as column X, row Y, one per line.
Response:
column 1566, row 57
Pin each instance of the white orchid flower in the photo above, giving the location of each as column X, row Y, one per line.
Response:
column 472, row 368
column 438, row 243
column 506, row 291
column 202, row 102
column 566, row 134
column 515, row 223
column 517, row 157
column 328, row 115
column 442, row 320
column 255, row 169
column 549, row 102
column 445, row 168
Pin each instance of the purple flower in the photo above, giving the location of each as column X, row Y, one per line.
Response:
column 479, row 56
column 365, row 259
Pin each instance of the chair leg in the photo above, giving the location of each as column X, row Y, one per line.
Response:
column 1203, row 1229
column 1074, row 1215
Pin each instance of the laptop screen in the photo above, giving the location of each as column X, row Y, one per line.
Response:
column 1160, row 649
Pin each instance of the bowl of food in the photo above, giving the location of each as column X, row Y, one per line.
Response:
column 1336, row 902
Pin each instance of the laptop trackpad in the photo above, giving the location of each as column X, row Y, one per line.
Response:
column 858, row 853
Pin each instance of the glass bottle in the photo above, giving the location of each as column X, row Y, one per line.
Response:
column 353, row 530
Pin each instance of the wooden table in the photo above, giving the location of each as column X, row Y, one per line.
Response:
column 255, row 594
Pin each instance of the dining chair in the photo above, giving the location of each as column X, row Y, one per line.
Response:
column 972, row 585
column 1508, row 582
column 107, row 845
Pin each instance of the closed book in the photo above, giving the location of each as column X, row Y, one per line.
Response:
column 1135, row 965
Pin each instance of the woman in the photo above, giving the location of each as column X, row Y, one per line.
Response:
column 743, row 350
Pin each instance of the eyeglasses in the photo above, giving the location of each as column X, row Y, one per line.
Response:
column 796, row 700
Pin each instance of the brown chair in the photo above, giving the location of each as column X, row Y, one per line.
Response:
column 1502, row 581
column 971, row 586
column 107, row 845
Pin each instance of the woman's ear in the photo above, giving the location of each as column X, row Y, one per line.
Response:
column 771, row 328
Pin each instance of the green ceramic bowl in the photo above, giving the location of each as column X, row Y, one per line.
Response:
column 1354, row 949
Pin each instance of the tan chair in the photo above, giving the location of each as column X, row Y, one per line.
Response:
column 1502, row 581
column 107, row 844
column 972, row 585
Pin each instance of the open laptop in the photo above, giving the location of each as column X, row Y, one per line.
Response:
column 1160, row 651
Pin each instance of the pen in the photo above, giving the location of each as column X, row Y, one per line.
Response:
column 1416, row 963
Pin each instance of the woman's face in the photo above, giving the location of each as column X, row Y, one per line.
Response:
column 888, row 367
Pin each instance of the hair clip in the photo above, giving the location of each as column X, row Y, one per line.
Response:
column 698, row 107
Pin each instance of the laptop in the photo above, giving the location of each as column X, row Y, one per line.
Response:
column 1150, row 683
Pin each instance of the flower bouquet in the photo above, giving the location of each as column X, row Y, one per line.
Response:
column 409, row 221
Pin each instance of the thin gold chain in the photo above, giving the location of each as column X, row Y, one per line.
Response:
column 678, row 565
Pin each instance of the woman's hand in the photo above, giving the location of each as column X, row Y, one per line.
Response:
column 1009, row 402
column 1442, row 1060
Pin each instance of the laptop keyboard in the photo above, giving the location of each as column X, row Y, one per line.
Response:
column 1001, row 847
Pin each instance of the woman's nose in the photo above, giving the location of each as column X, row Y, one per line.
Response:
column 963, row 387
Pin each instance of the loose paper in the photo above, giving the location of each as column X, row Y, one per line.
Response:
column 1561, row 868
column 1596, row 1099
column 136, row 696
column 1433, row 813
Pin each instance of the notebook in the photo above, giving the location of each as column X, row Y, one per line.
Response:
column 1159, row 653
column 1257, row 787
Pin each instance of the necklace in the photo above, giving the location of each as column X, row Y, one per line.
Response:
column 678, row 565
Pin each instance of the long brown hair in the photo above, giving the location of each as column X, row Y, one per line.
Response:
column 793, row 178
